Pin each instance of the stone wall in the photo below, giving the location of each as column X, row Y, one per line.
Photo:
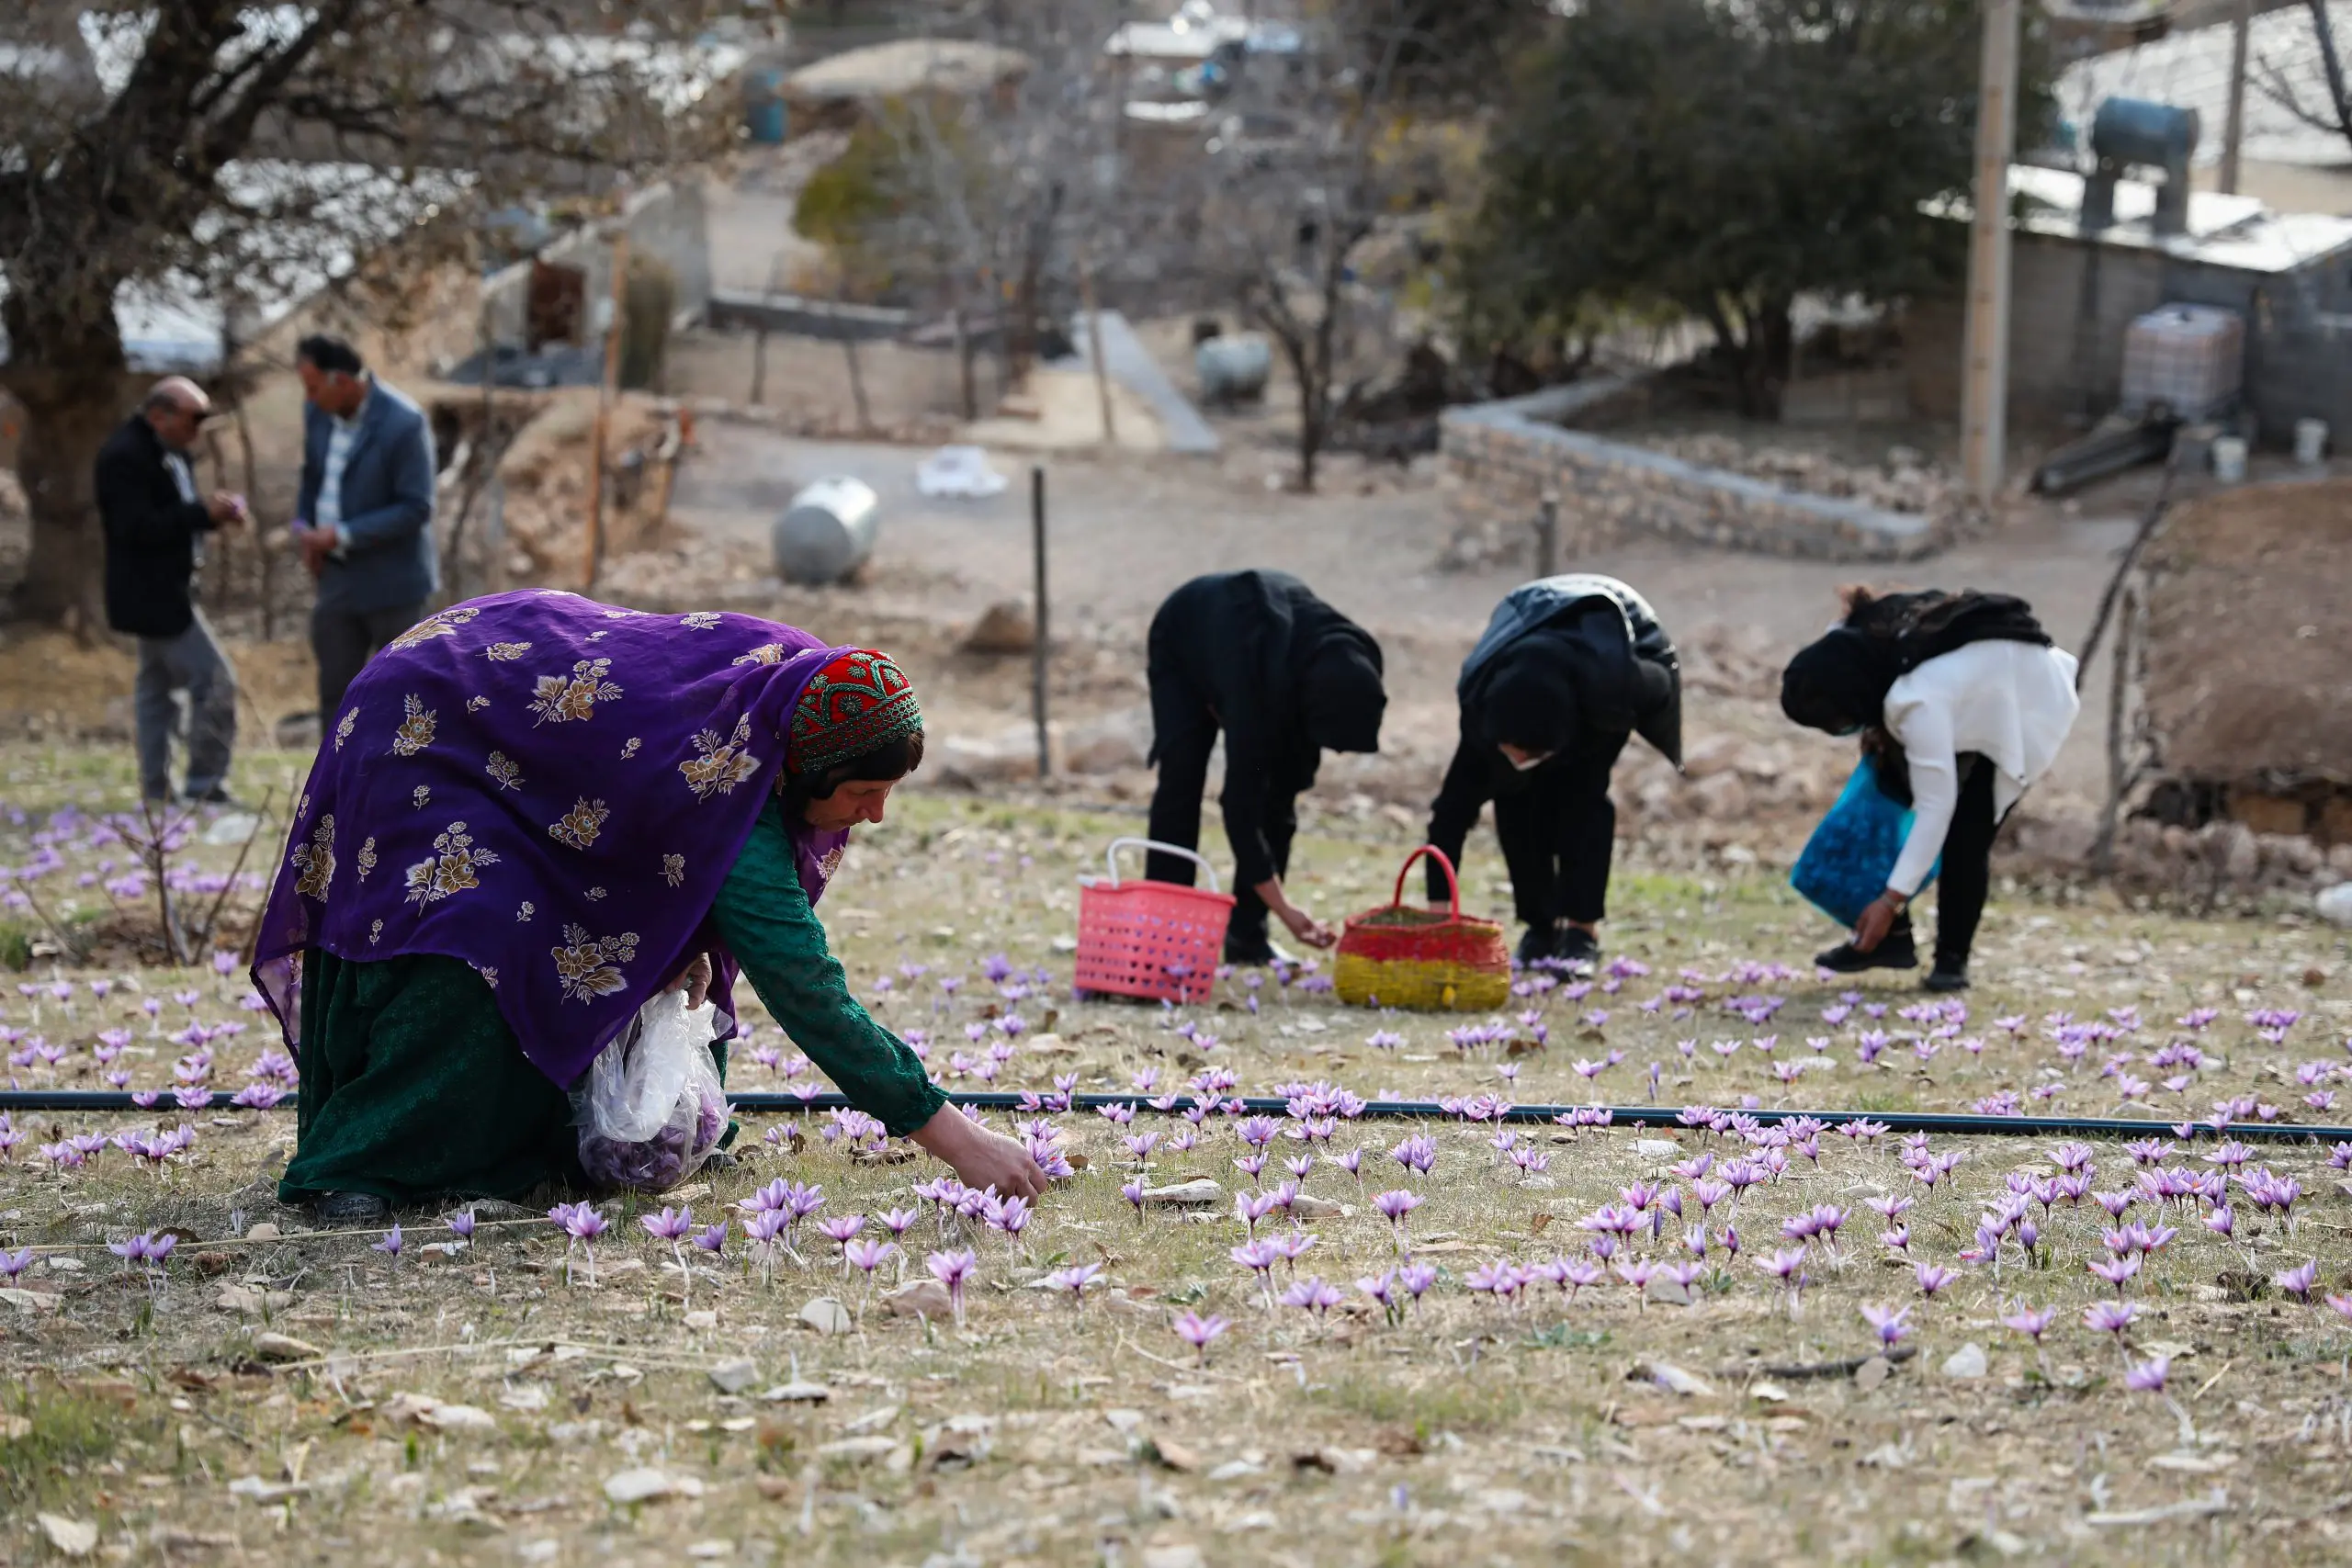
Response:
column 1500, row 459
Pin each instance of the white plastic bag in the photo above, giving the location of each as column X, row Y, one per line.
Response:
column 651, row 1108
column 959, row 470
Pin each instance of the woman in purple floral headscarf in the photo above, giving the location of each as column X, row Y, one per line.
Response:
column 533, row 814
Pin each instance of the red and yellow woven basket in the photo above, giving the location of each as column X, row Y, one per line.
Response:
column 1402, row 956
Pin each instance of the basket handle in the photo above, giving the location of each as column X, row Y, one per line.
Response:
column 1110, row 857
column 1453, row 885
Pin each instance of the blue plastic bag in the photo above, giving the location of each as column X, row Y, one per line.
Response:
column 1847, row 862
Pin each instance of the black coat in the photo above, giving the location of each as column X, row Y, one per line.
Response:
column 150, row 534
column 1228, row 651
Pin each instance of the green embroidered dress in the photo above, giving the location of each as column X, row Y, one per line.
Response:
column 414, row 1088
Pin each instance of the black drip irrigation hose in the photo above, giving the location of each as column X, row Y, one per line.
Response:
column 1648, row 1118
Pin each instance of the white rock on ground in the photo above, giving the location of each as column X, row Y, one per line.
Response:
column 646, row 1485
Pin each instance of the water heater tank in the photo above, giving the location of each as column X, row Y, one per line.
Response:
column 828, row 532
column 2134, row 131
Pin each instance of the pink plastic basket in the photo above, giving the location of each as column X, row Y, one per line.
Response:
column 1153, row 940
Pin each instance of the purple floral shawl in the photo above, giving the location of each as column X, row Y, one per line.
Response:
column 552, row 790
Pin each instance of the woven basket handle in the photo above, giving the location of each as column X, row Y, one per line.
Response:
column 1110, row 857
column 1453, row 885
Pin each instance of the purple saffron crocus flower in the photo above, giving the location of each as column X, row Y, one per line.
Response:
column 1311, row 1294
column 2109, row 1317
column 1199, row 1331
column 1075, row 1280
column 2031, row 1321
column 2299, row 1281
column 1888, row 1322
column 712, row 1238
column 2148, row 1376
column 2116, row 1271
column 582, row 1224
column 951, row 1269
column 1395, row 1205
column 391, row 1245
column 15, row 1263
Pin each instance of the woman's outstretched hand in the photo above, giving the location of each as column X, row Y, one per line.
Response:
column 1878, row 919
column 695, row 980
column 980, row 1157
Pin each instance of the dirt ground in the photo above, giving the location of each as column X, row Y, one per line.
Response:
column 273, row 1392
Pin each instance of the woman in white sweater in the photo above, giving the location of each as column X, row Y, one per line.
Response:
column 1964, row 703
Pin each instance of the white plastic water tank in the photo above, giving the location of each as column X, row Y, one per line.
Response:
column 828, row 532
column 1233, row 369
column 2188, row 359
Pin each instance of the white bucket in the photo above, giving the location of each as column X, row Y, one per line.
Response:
column 2229, row 459
column 2311, row 441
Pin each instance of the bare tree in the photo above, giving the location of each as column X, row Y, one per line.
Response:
column 1300, row 178
column 215, row 151
column 967, row 199
column 2325, row 104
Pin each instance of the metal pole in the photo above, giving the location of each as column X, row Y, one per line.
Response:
column 1984, row 369
column 1042, row 623
column 598, row 436
column 2118, row 777
column 2234, row 129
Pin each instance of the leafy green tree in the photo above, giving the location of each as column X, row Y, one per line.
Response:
column 1715, row 158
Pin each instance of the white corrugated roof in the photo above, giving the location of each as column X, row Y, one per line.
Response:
column 2235, row 231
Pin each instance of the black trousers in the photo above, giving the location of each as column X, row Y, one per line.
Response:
column 1184, row 736
column 345, row 640
column 1559, row 836
column 1966, row 878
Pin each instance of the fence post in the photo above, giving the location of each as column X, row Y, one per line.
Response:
column 1547, row 536
column 1037, row 652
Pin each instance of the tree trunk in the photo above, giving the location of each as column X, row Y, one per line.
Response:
column 1312, row 418
column 69, row 375
column 64, row 580
column 1771, row 339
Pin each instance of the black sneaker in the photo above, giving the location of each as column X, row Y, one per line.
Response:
column 1946, row 978
column 1896, row 952
column 351, row 1209
column 1248, row 952
column 1534, row 947
column 1575, row 947
column 217, row 795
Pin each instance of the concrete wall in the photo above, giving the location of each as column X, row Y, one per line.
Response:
column 2066, row 345
column 1500, row 459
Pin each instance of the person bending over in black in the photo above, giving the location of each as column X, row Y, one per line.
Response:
column 1285, row 677
column 1569, row 669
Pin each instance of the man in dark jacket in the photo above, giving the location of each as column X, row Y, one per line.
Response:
column 1285, row 677
column 1570, row 668
column 365, row 512
column 154, row 520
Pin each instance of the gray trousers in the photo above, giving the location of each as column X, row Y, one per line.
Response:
column 345, row 640
column 192, row 662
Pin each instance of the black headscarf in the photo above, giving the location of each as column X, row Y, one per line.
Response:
column 1340, row 697
column 1529, row 698
column 1838, row 683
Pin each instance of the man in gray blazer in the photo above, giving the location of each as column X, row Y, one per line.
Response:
column 364, row 514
